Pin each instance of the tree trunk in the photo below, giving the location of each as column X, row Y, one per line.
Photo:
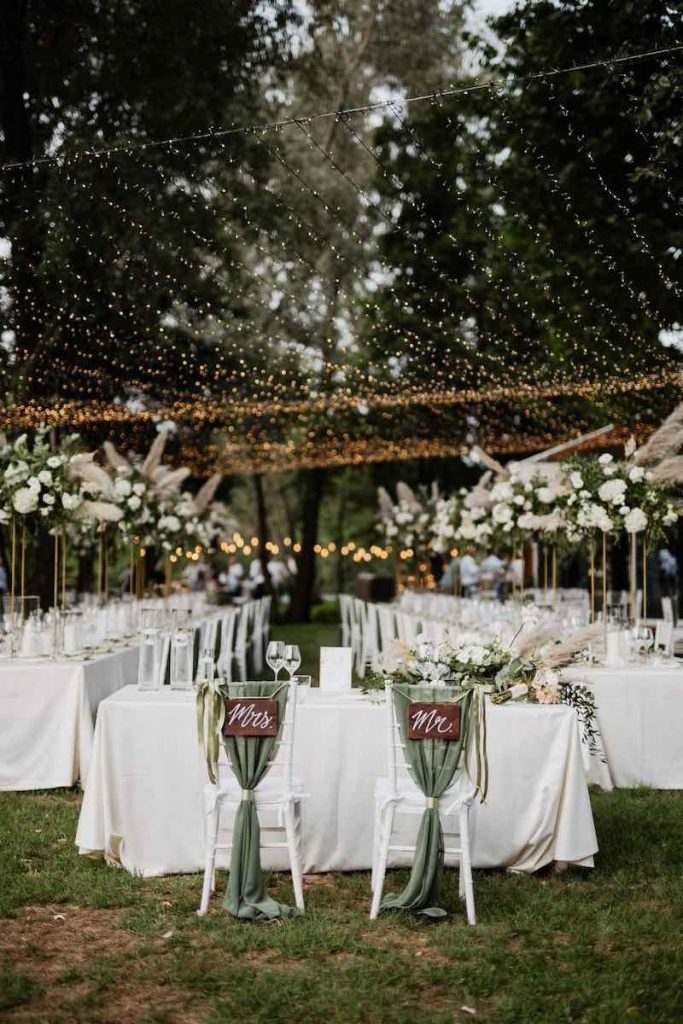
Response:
column 262, row 530
column 311, row 500
column 341, row 509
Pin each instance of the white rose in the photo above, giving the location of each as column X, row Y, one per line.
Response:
column 45, row 476
column 33, row 483
column 635, row 521
column 139, row 488
column 134, row 502
column 54, row 462
column 25, row 501
column 546, row 495
column 518, row 499
column 605, row 459
column 49, row 499
column 624, row 510
column 71, row 501
column 576, row 480
column 636, row 474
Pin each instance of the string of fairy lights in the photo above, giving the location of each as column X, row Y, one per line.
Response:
column 308, row 399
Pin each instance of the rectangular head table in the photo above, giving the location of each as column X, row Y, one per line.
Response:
column 143, row 800
column 47, row 716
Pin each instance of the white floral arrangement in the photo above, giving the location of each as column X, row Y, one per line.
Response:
column 615, row 497
column 407, row 524
column 48, row 487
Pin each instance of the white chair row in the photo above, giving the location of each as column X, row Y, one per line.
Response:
column 234, row 640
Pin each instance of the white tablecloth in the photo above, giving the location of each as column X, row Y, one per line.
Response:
column 142, row 803
column 640, row 716
column 47, row 716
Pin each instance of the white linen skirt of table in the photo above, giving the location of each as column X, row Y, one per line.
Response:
column 640, row 716
column 142, row 804
column 47, row 716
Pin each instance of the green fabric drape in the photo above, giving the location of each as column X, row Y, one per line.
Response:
column 250, row 758
column 432, row 764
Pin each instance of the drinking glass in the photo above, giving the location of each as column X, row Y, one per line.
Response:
column 275, row 654
column 646, row 639
column 291, row 659
column 181, row 661
column 148, row 678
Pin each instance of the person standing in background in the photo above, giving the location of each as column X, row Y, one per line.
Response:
column 470, row 573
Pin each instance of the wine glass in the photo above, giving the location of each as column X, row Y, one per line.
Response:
column 291, row 659
column 275, row 654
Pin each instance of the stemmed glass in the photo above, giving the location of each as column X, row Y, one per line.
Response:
column 275, row 656
column 291, row 659
column 645, row 640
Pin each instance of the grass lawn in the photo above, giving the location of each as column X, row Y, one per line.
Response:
column 80, row 942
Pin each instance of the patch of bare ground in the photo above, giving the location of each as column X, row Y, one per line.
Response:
column 58, row 946
column 412, row 943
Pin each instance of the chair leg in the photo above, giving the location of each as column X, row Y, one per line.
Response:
column 294, row 856
column 467, row 863
column 376, row 844
column 461, row 875
column 210, row 839
column 386, row 829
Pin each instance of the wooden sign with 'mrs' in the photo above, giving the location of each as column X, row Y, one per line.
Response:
column 250, row 716
column 433, row 721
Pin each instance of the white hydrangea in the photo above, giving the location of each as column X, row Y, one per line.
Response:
column 635, row 521
column 71, row 501
column 25, row 500
column 612, row 492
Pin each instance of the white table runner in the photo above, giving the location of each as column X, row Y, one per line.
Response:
column 142, row 804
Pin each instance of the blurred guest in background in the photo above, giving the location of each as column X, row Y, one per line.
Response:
column 668, row 571
column 494, row 568
column 470, row 573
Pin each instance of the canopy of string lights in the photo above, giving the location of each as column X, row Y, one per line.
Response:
column 288, row 296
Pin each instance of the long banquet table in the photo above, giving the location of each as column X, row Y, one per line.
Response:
column 142, row 803
column 640, row 717
column 47, row 716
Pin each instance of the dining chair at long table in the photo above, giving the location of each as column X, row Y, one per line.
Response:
column 279, row 792
column 241, row 648
column 345, row 618
column 225, row 653
column 397, row 794
column 258, row 609
column 265, row 621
